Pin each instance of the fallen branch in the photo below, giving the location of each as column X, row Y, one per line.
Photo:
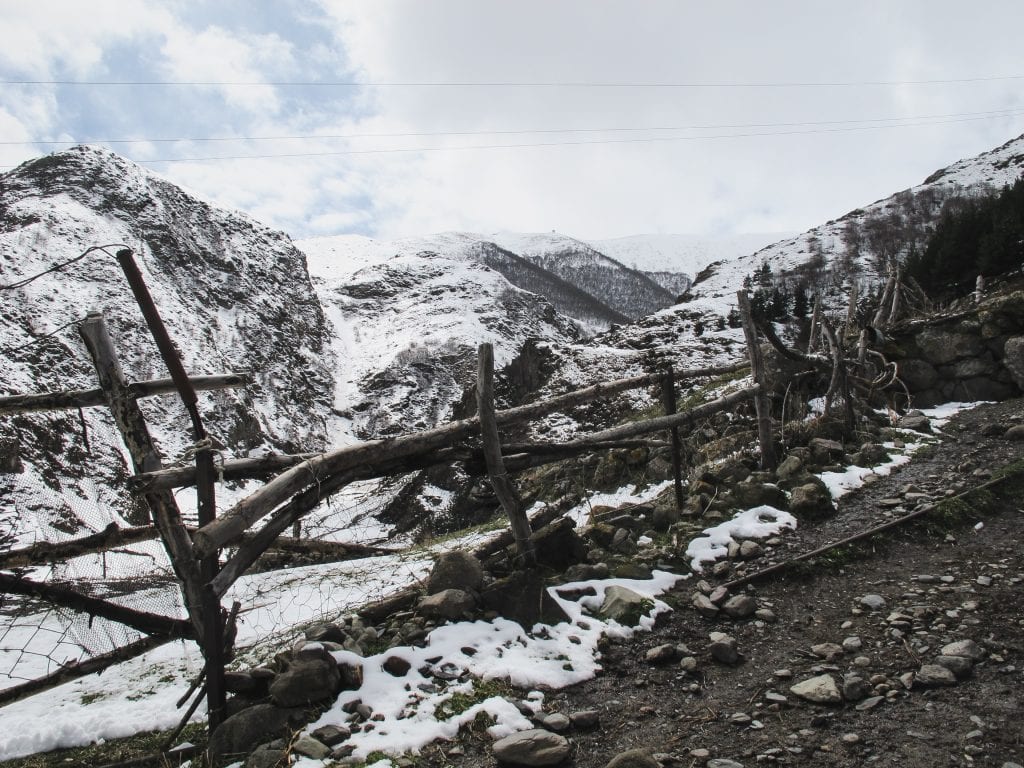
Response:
column 43, row 552
column 70, row 672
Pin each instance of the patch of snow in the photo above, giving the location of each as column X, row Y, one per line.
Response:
column 756, row 523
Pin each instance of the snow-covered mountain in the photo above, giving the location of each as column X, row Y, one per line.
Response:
column 234, row 294
column 582, row 283
column 859, row 243
column 689, row 254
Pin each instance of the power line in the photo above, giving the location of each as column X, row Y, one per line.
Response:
column 57, row 267
column 506, row 83
column 582, row 142
column 525, row 131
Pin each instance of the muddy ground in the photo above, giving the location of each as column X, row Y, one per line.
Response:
column 957, row 575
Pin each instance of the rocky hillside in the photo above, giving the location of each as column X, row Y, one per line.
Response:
column 234, row 294
column 859, row 245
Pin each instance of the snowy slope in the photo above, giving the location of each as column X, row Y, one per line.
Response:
column 688, row 254
column 920, row 204
column 586, row 285
column 234, row 295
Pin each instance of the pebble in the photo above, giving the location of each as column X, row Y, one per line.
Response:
column 872, row 602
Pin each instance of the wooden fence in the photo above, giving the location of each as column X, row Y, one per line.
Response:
column 298, row 483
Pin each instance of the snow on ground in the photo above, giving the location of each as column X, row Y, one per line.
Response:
column 756, row 523
column 138, row 695
column 853, row 477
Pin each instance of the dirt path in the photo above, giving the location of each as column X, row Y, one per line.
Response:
column 939, row 585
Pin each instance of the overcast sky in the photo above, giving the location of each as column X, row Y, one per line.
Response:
column 710, row 118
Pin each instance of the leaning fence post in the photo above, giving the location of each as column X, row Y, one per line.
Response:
column 213, row 640
column 668, row 401
column 132, row 425
column 762, row 405
column 503, row 487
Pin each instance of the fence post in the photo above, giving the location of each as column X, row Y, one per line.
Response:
column 503, row 487
column 762, row 405
column 132, row 425
column 213, row 630
column 668, row 401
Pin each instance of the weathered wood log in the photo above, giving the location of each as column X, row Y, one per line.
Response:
column 148, row 623
column 232, row 469
column 761, row 402
column 502, row 486
column 668, row 402
column 48, row 552
column 145, row 458
column 884, row 306
column 851, row 307
column 261, row 503
column 663, row 423
column 255, row 544
column 74, row 671
column 399, row 601
column 84, row 398
column 812, row 339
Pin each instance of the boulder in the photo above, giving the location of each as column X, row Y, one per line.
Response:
column 533, row 747
column 447, row 604
column 750, row 493
column 940, row 347
column 522, row 596
column 455, row 570
column 558, row 546
column 918, row 375
column 236, row 736
column 934, row 675
column 1013, row 359
column 306, row 681
column 623, row 605
column 810, row 501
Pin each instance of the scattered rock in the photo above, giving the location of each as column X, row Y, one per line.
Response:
column 585, row 719
column 934, row 675
column 236, row 736
column 447, row 604
column 723, row 648
column 556, row 721
column 739, row 606
column 306, row 681
column 966, row 648
column 533, row 747
column 819, row 690
column 704, row 605
column 661, row 654
column 623, row 605
column 312, row 748
column 634, row 758
column 873, row 602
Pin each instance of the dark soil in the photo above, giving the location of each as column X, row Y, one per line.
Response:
column 949, row 579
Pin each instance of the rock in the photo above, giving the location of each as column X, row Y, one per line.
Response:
column 1013, row 359
column 634, row 758
column 556, row 721
column 1015, row 433
column 266, row 756
column 819, row 690
column 852, row 644
column 585, row 719
column 623, row 605
column 827, row 651
column 872, row 602
column 705, row 607
column 306, row 681
column 767, row 615
column 960, row 666
column 664, row 518
column 940, row 347
column 723, row 648
column 257, row 724
column 331, row 735
column 718, row 595
column 933, row 675
column 661, row 654
column 455, row 570
column 310, row 747
column 790, row 467
column 623, row 543
column 688, row 664
column 534, row 747
column 326, row 632
column 557, row 545
column 396, row 666
column 721, row 762
column 739, row 606
column 447, row 604
column 811, row 500
column 855, row 688
column 869, row 703
column 750, row 493
column 919, row 423
column 750, row 550
column 967, row 648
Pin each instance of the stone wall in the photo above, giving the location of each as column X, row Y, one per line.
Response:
column 978, row 356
